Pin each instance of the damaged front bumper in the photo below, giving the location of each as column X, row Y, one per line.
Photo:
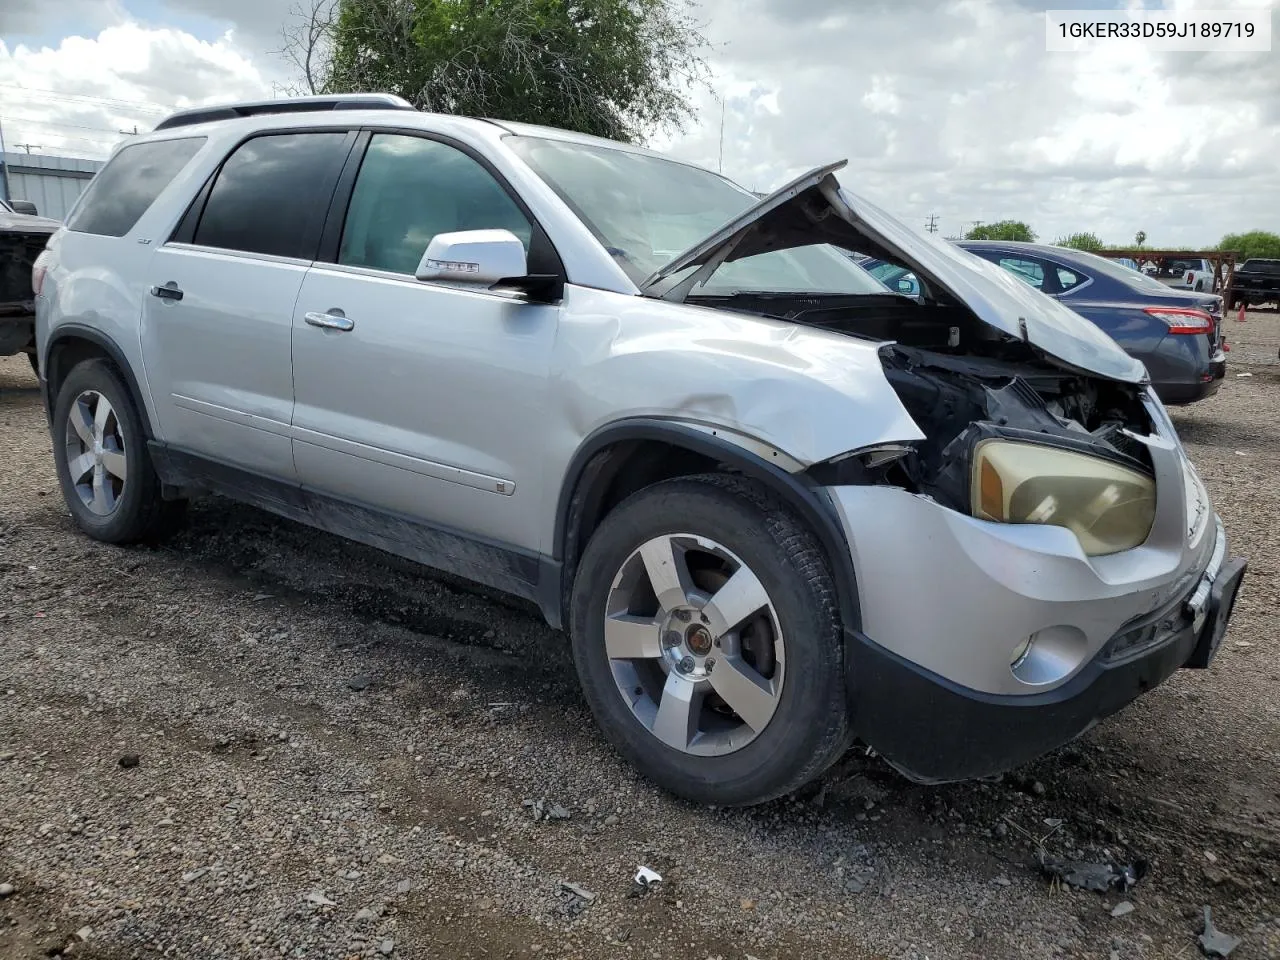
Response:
column 940, row 680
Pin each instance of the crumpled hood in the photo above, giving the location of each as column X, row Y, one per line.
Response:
column 814, row 209
column 25, row 223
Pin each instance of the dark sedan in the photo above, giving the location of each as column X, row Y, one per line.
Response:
column 1175, row 333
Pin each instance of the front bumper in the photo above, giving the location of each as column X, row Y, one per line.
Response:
column 948, row 603
column 935, row 731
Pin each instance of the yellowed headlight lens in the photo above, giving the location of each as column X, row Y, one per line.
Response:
column 1108, row 507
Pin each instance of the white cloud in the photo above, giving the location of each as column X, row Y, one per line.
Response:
column 953, row 107
column 950, row 107
column 86, row 90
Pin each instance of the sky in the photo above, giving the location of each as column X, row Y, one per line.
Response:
column 944, row 108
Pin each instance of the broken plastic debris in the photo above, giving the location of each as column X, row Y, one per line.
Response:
column 647, row 876
column 574, row 900
column 577, row 891
column 1241, row 376
column 1213, row 941
column 1101, row 877
column 320, row 900
column 643, row 878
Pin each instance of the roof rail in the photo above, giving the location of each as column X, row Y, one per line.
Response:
column 230, row 111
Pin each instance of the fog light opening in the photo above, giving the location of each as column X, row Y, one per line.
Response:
column 1049, row 655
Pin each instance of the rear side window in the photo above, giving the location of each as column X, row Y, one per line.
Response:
column 271, row 195
column 1067, row 279
column 1029, row 271
column 127, row 186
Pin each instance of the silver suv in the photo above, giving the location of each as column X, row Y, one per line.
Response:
column 775, row 505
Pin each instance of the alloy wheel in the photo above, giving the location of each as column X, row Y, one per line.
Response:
column 694, row 644
column 96, row 460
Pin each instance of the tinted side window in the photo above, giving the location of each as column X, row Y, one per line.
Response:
column 123, row 190
column 1068, row 279
column 1029, row 271
column 409, row 189
column 272, row 193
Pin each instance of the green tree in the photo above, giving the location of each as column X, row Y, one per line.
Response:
column 1255, row 243
column 1002, row 230
column 1081, row 241
column 615, row 68
column 1140, row 238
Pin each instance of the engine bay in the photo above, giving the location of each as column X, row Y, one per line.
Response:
column 963, row 382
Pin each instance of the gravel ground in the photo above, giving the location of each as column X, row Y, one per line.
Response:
column 259, row 741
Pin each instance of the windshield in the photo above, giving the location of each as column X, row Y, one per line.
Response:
column 1269, row 267
column 646, row 210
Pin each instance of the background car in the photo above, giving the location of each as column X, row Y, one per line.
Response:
column 896, row 278
column 1176, row 334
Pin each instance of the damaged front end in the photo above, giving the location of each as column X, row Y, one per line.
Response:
column 22, row 239
column 1017, row 442
column 1030, row 414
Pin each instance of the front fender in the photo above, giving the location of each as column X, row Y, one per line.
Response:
column 809, row 393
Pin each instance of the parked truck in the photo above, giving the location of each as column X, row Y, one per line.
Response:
column 1257, row 282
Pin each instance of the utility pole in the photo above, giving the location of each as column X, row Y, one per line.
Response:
column 131, row 133
column 932, row 223
column 721, row 167
column 4, row 170
column 976, row 224
column 29, row 147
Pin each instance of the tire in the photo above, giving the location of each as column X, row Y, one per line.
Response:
column 115, row 496
column 1199, row 286
column 35, row 364
column 795, row 641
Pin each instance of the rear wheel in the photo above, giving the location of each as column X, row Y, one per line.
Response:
column 707, row 639
column 104, row 468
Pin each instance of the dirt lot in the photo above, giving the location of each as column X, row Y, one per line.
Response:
column 334, row 751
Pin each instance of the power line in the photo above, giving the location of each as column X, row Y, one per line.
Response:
column 29, row 147
column 55, row 123
column 932, row 223
column 73, row 97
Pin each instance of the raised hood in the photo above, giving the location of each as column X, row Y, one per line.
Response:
column 815, row 209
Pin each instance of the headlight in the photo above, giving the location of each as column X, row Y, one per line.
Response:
column 1108, row 507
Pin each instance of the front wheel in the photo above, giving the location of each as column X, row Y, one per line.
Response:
column 104, row 468
column 707, row 638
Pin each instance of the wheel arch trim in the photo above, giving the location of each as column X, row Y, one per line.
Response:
column 77, row 331
column 728, row 448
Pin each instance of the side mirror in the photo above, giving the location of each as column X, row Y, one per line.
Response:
column 482, row 257
column 905, row 285
column 24, row 206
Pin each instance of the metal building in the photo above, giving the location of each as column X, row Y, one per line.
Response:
column 51, row 183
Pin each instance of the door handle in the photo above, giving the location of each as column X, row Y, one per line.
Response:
column 330, row 321
column 169, row 291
